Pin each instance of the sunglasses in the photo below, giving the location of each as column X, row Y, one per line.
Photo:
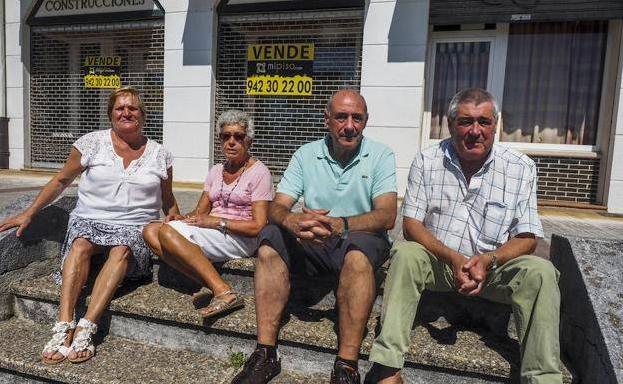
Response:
column 238, row 136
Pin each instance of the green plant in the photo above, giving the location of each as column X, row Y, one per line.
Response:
column 236, row 359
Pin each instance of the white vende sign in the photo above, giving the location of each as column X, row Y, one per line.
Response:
column 51, row 8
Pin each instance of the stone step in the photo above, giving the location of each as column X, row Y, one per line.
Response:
column 318, row 293
column 441, row 352
column 117, row 360
column 309, row 292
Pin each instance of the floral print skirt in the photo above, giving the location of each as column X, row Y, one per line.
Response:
column 109, row 235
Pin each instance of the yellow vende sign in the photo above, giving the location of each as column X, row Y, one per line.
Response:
column 102, row 72
column 263, row 52
column 280, row 69
column 99, row 81
column 277, row 85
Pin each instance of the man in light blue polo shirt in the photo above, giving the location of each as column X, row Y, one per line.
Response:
column 348, row 183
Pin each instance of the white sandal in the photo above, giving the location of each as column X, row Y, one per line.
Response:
column 82, row 340
column 57, row 342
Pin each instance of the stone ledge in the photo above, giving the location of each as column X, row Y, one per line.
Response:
column 42, row 239
column 35, row 252
column 591, row 277
column 318, row 292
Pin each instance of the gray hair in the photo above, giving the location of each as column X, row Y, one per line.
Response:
column 472, row 95
column 236, row 117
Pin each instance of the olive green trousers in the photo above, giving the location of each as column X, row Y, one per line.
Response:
column 528, row 283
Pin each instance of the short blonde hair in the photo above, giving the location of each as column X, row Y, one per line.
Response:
column 125, row 91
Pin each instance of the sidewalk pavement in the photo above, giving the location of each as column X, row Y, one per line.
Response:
column 561, row 221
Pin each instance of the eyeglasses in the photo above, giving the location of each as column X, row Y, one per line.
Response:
column 238, row 136
column 465, row 122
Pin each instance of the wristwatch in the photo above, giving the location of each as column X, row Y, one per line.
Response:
column 222, row 226
column 344, row 233
column 494, row 263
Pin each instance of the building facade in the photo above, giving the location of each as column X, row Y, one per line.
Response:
column 554, row 67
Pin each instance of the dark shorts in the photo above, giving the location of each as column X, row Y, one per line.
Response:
column 313, row 260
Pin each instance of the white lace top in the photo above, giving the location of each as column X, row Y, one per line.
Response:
column 109, row 193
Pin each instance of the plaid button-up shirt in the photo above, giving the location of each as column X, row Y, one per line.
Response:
column 498, row 203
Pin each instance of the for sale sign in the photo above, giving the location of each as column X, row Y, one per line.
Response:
column 280, row 69
column 102, row 72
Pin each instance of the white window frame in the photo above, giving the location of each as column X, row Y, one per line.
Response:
column 495, row 84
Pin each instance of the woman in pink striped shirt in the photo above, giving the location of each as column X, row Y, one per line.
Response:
column 230, row 213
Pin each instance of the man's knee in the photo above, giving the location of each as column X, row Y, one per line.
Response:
column 539, row 273
column 357, row 262
column 267, row 254
column 407, row 255
column 539, row 267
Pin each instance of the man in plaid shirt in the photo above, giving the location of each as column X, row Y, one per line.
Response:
column 471, row 223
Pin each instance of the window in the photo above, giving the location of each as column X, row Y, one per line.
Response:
column 547, row 77
column 552, row 87
column 458, row 65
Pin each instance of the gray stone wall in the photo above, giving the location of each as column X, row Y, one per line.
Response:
column 591, row 281
column 37, row 251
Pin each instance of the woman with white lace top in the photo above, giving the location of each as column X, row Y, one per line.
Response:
column 125, row 179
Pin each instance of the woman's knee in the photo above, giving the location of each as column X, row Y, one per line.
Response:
column 166, row 235
column 150, row 233
column 82, row 248
column 120, row 253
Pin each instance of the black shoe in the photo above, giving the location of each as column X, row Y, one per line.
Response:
column 344, row 374
column 258, row 369
column 380, row 372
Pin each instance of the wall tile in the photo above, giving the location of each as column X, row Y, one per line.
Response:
column 187, row 104
column 394, row 106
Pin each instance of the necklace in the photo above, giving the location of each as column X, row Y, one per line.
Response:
column 225, row 200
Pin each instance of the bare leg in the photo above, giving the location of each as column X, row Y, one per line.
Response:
column 75, row 273
column 150, row 234
column 355, row 296
column 188, row 258
column 272, row 288
column 152, row 239
column 106, row 284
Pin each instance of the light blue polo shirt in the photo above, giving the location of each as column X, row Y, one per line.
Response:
column 349, row 191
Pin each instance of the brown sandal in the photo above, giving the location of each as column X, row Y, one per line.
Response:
column 220, row 306
column 202, row 298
